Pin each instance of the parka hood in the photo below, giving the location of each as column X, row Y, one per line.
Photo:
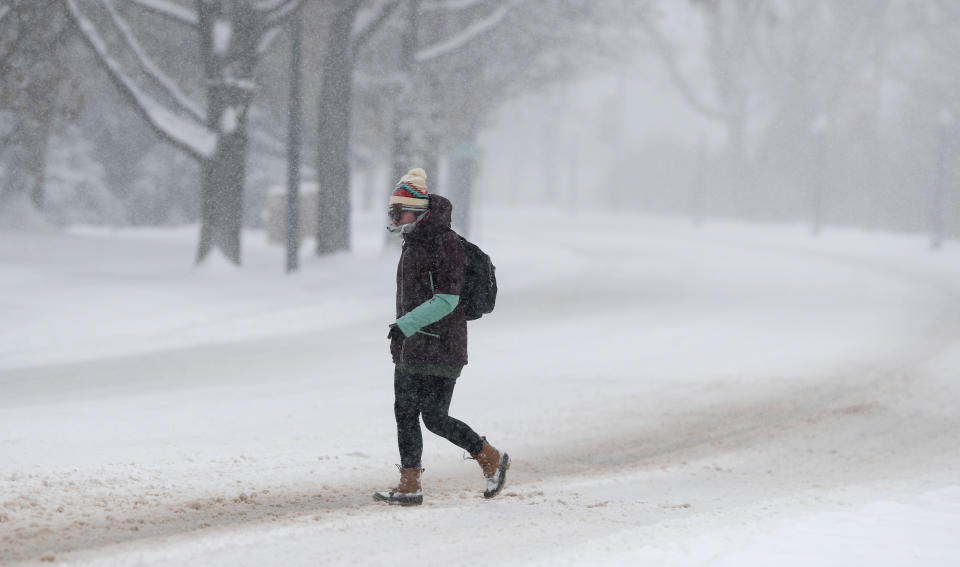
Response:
column 438, row 221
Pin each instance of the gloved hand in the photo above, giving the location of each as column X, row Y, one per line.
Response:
column 395, row 332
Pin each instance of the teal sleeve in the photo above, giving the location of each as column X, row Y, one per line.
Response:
column 430, row 311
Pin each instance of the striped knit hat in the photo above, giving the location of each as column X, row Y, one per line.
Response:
column 410, row 193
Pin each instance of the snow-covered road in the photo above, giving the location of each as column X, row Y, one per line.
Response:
column 667, row 394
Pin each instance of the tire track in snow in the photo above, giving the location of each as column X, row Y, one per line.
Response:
column 724, row 456
column 769, row 440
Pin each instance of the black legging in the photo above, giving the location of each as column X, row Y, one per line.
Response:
column 429, row 396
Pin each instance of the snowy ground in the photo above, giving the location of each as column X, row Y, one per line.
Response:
column 733, row 395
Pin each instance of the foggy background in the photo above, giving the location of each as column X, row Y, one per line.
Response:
column 817, row 112
column 727, row 328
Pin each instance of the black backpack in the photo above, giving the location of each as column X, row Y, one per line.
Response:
column 479, row 294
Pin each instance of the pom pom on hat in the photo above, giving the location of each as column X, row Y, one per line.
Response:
column 416, row 177
column 410, row 193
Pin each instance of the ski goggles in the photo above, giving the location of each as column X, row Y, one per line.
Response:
column 396, row 211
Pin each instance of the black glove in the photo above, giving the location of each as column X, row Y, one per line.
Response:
column 395, row 332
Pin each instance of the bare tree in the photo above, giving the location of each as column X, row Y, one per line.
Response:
column 36, row 90
column 416, row 125
column 231, row 37
column 812, row 61
column 922, row 59
column 351, row 26
column 515, row 57
column 785, row 70
column 730, row 43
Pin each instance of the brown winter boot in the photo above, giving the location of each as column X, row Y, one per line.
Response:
column 494, row 465
column 407, row 493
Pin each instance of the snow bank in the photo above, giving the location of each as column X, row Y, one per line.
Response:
column 920, row 530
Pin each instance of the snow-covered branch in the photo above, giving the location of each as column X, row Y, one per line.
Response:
column 367, row 14
column 450, row 5
column 380, row 80
column 184, row 132
column 169, row 10
column 151, row 68
column 268, row 5
column 369, row 21
column 4, row 10
column 267, row 39
column 469, row 33
column 278, row 10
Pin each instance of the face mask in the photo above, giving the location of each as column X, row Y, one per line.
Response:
column 402, row 229
column 406, row 228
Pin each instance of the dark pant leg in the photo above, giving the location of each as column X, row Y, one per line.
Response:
column 436, row 393
column 406, row 409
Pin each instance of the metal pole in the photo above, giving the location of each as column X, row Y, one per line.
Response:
column 293, row 152
column 819, row 130
column 699, row 188
column 939, row 182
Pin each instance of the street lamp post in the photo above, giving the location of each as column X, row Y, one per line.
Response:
column 945, row 124
column 293, row 151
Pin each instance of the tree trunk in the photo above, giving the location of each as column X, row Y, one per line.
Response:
column 335, row 106
column 229, row 60
column 222, row 196
column 38, row 164
column 404, row 118
column 464, row 164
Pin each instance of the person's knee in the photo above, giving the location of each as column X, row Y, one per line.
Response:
column 405, row 412
column 435, row 422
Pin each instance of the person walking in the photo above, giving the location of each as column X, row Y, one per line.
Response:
column 428, row 340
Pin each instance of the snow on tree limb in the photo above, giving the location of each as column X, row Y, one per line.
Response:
column 267, row 40
column 368, row 22
column 275, row 12
column 379, row 80
column 469, row 33
column 174, row 12
column 151, row 68
column 278, row 10
column 450, row 5
column 184, row 132
column 367, row 14
column 268, row 5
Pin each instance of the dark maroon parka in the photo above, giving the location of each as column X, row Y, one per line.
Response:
column 432, row 254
